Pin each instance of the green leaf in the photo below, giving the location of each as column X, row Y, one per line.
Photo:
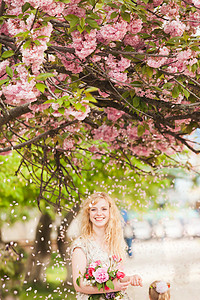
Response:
column 42, row 36
column 25, row 7
column 167, row 85
column 113, row 15
column 93, row 16
column 44, row 76
column 83, row 109
column 186, row 93
column 194, row 67
column 80, row 29
column 66, row 103
column 7, row 54
column 92, row 2
column 92, row 23
column 82, row 22
column 110, row 284
column 195, row 48
column 123, row 8
column 136, row 101
column 61, row 110
column 74, row 20
column 136, row 83
column 78, row 106
column 99, row 286
column 2, row 81
column 140, row 130
column 144, row 35
column 27, row 44
column 37, row 43
column 22, row 34
column 62, row 99
column 132, row 93
column 175, row 91
column 48, row 140
column 149, row 71
column 9, row 71
column 41, row 87
column 90, row 98
column 50, row 101
column 71, row 29
column 125, row 16
column 91, row 89
column 78, row 281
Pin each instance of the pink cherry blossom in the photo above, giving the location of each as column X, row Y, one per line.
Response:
column 75, row 10
column 3, row 65
column 196, row 3
column 106, row 133
column 84, row 43
column 194, row 19
column 68, row 143
column 133, row 40
column 114, row 32
column 78, row 114
column 113, row 114
column 157, row 2
column 157, row 62
column 171, row 9
column 174, row 28
column 70, row 63
column 135, row 26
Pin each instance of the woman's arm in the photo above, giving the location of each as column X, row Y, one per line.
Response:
column 134, row 280
column 79, row 264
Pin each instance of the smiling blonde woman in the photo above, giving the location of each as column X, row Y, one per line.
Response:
column 101, row 238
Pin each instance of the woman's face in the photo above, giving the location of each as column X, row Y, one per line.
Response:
column 99, row 213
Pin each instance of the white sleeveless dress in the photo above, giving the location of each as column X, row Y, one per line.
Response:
column 93, row 252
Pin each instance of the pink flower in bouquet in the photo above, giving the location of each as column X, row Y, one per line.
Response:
column 101, row 275
column 94, row 264
column 91, row 271
column 98, row 262
column 106, row 288
column 120, row 274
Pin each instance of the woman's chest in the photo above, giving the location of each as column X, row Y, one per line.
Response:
column 95, row 252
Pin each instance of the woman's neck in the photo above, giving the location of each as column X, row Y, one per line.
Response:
column 99, row 237
column 99, row 234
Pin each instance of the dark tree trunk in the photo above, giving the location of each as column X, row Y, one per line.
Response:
column 41, row 255
column 64, row 243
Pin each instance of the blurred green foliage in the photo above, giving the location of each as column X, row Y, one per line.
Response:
column 12, row 266
column 15, row 191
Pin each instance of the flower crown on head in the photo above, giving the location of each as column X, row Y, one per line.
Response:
column 161, row 287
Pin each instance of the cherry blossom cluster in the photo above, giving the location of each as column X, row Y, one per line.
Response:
column 119, row 70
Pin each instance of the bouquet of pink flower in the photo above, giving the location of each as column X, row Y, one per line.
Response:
column 101, row 276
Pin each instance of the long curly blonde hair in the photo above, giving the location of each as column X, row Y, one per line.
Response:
column 113, row 231
column 154, row 295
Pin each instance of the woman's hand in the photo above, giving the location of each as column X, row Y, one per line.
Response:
column 136, row 280
column 120, row 286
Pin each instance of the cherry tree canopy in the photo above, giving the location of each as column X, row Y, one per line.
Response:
column 94, row 78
